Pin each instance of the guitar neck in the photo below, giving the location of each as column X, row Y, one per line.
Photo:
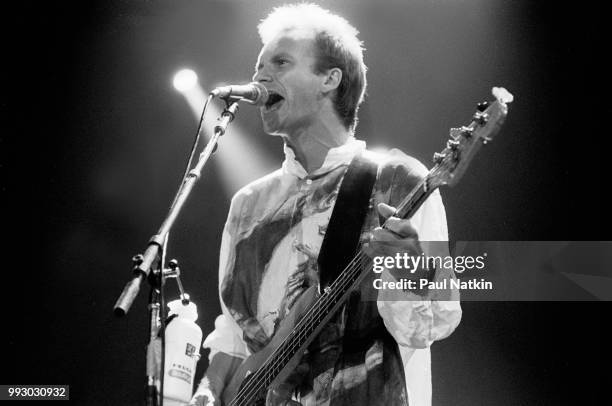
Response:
column 450, row 164
column 323, row 309
column 415, row 199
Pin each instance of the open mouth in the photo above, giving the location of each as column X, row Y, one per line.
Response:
column 274, row 101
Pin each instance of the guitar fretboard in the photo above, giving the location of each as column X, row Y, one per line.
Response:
column 324, row 308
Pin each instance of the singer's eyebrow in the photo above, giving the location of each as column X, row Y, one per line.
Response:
column 273, row 58
column 280, row 56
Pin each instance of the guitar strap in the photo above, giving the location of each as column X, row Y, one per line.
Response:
column 341, row 239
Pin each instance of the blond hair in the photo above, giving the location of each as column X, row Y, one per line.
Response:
column 336, row 46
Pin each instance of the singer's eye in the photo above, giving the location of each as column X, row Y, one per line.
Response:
column 282, row 61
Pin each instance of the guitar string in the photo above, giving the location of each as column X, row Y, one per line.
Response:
column 422, row 187
column 253, row 386
column 349, row 277
column 310, row 318
column 301, row 331
column 410, row 202
column 300, row 334
column 270, row 363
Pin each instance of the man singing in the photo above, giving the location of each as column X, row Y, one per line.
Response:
column 373, row 352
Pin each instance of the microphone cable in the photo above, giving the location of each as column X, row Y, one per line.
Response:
column 194, row 146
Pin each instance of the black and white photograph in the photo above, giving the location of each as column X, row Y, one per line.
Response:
column 317, row 203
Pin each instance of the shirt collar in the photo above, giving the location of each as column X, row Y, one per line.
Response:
column 336, row 157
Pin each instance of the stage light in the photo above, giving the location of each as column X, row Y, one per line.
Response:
column 240, row 159
column 184, row 80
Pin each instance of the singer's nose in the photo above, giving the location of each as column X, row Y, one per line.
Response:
column 261, row 75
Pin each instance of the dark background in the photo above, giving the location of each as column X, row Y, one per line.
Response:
column 96, row 138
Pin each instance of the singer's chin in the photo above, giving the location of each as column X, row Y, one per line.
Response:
column 270, row 123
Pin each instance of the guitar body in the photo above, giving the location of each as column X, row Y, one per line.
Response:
column 255, row 361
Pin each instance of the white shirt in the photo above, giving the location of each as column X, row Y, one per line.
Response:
column 414, row 323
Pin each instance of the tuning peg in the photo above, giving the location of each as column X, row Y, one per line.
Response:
column 452, row 144
column 438, row 157
column 137, row 259
column 482, row 106
column 481, row 118
column 465, row 132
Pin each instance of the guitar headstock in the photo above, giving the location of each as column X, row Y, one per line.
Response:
column 464, row 142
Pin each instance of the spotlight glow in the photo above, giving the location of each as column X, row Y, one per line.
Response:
column 184, row 80
column 240, row 159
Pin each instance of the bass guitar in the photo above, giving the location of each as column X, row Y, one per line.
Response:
column 270, row 366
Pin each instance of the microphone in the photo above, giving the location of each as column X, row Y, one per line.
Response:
column 254, row 93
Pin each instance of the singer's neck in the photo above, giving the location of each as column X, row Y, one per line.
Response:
column 311, row 144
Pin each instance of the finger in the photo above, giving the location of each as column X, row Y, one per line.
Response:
column 385, row 243
column 383, row 234
column 408, row 245
column 385, row 210
column 402, row 227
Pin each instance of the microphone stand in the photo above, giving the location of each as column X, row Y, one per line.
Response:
column 143, row 264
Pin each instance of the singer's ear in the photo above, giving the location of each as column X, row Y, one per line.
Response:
column 333, row 77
